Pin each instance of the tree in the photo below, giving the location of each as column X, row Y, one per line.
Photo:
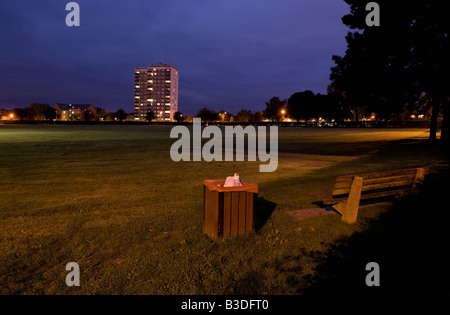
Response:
column 87, row 115
column 301, row 105
column 387, row 67
column 101, row 113
column 430, row 64
column 150, row 116
column 178, row 116
column 274, row 109
column 50, row 114
column 37, row 111
column 258, row 116
column 208, row 115
column 337, row 102
column 325, row 107
column 21, row 113
column 121, row 115
column 244, row 115
column 225, row 116
column 109, row 117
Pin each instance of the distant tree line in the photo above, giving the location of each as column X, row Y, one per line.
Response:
column 44, row 112
column 35, row 111
column 244, row 115
column 300, row 106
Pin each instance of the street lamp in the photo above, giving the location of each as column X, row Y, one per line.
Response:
column 282, row 114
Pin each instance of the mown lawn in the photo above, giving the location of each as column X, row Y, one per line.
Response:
column 111, row 199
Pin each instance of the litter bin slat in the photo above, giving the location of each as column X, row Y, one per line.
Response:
column 242, row 212
column 226, row 214
column 249, row 220
column 228, row 211
column 211, row 213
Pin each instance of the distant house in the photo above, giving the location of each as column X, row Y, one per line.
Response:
column 73, row 111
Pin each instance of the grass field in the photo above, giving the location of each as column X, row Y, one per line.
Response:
column 111, row 199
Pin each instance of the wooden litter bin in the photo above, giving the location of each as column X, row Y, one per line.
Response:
column 228, row 211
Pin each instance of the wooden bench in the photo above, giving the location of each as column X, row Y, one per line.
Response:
column 349, row 190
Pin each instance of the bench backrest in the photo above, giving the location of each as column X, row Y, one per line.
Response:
column 390, row 182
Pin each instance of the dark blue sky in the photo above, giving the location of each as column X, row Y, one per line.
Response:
column 231, row 54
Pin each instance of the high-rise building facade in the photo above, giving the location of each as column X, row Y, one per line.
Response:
column 156, row 90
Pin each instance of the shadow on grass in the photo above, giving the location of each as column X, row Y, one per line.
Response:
column 264, row 211
column 409, row 242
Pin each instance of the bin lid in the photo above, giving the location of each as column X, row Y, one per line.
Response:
column 217, row 185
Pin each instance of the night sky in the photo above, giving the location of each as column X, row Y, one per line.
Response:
column 230, row 54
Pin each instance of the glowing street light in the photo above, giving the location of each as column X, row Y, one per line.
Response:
column 282, row 114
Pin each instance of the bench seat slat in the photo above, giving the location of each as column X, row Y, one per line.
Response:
column 347, row 178
column 379, row 194
column 388, row 185
column 374, row 181
column 327, row 198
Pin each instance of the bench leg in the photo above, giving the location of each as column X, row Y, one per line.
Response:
column 349, row 209
column 418, row 179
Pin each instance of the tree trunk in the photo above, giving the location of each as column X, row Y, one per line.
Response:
column 445, row 112
column 433, row 123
